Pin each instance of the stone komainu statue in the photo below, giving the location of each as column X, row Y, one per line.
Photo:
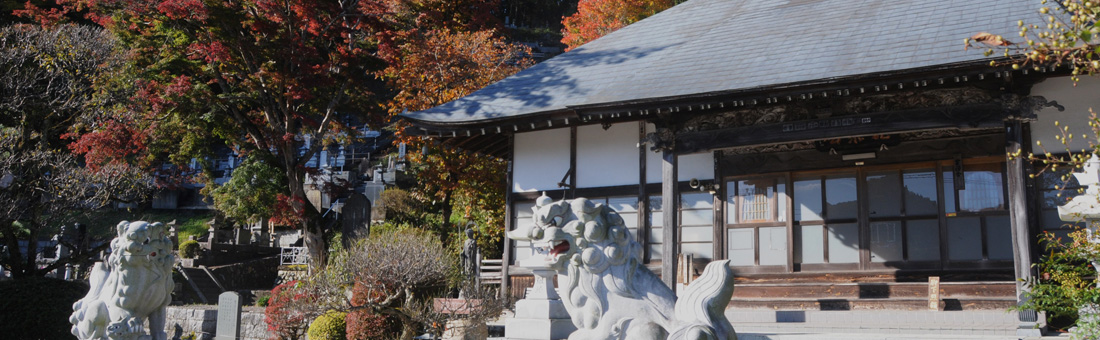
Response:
column 605, row 288
column 132, row 285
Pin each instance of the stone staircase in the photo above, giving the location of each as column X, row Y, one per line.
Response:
column 987, row 295
column 201, row 284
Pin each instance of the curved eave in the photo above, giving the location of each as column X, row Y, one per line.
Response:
column 645, row 109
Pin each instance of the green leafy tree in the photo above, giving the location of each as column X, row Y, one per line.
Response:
column 251, row 193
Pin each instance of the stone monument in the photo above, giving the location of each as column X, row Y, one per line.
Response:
column 605, row 289
column 356, row 218
column 134, row 284
column 229, row 317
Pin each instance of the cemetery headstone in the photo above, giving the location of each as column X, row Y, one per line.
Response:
column 229, row 317
column 356, row 215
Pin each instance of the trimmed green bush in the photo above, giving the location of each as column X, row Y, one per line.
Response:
column 38, row 308
column 329, row 326
column 190, row 249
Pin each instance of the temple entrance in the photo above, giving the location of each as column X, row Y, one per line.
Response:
column 936, row 215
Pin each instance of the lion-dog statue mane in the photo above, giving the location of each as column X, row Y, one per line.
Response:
column 132, row 285
column 606, row 289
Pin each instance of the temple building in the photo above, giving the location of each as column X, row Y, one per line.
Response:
column 839, row 153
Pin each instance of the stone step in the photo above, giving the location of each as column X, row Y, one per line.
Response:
column 873, row 290
column 206, row 285
column 949, row 304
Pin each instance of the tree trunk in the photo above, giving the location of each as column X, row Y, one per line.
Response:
column 311, row 229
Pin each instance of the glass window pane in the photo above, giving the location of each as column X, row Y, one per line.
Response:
column 656, row 219
column 756, row 200
column 920, row 192
column 697, row 217
column 807, row 200
column 983, row 190
column 811, row 245
column 781, row 190
column 623, row 204
column 840, row 197
column 886, row 241
column 740, row 247
column 697, row 234
column 843, row 242
column 923, row 240
column 1051, row 221
column 629, row 219
column 773, row 246
column 655, row 203
column 655, row 252
column 998, row 233
column 656, row 235
column 882, row 191
column 731, row 202
column 964, row 238
column 948, row 190
column 696, row 201
column 703, row 251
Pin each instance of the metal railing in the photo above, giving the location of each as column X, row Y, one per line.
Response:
column 293, row 255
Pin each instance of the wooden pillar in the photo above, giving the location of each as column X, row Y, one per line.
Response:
column 643, row 197
column 1016, row 177
column 509, row 216
column 670, row 198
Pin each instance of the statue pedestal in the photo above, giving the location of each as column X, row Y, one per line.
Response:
column 540, row 315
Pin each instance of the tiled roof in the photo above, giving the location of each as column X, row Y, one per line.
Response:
column 705, row 46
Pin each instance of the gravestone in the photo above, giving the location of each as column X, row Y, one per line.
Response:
column 229, row 317
column 356, row 214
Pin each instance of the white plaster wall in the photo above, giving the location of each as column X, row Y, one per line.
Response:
column 698, row 166
column 541, row 159
column 607, row 157
column 1077, row 101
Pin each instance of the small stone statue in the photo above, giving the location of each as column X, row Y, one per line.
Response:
column 469, row 253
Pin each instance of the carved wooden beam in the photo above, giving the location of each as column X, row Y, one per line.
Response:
column 961, row 117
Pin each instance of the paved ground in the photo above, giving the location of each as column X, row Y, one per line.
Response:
column 755, row 324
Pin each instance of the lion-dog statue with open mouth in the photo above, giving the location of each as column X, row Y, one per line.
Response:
column 605, row 288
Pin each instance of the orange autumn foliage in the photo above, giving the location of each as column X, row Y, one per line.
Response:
column 596, row 18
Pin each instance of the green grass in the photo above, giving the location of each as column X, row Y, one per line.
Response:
column 188, row 222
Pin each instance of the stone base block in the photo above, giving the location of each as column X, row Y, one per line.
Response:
column 541, row 309
column 465, row 330
column 538, row 329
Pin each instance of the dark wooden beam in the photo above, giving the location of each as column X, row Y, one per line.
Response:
column 963, row 117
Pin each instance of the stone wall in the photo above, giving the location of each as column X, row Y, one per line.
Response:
column 202, row 320
column 248, row 275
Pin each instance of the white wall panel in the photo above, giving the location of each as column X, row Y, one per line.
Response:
column 699, row 165
column 541, row 159
column 1077, row 101
column 607, row 157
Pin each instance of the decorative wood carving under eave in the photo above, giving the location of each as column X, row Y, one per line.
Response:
column 841, row 106
column 1025, row 108
column 903, row 137
column 661, row 140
